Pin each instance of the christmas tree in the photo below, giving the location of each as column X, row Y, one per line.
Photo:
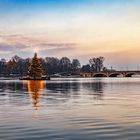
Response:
column 35, row 69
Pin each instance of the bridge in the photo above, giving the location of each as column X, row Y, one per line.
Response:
column 110, row 74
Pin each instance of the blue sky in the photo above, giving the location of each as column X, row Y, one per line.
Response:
column 7, row 5
column 75, row 28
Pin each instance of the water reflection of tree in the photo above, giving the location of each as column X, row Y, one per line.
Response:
column 34, row 90
column 12, row 86
column 62, row 92
column 97, row 89
column 68, row 89
column 64, row 88
column 56, row 91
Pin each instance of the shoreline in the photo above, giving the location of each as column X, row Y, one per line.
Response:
column 18, row 78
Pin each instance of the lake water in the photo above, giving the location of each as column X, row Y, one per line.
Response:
column 70, row 109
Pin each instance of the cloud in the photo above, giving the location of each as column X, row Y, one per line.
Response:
column 5, row 47
column 55, row 46
column 17, row 43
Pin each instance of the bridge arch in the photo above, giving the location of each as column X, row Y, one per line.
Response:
column 114, row 74
column 100, row 75
column 130, row 74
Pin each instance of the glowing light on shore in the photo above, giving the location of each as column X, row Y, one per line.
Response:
column 35, row 49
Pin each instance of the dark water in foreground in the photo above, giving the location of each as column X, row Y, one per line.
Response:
column 65, row 109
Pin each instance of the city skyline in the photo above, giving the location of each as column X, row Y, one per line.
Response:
column 77, row 29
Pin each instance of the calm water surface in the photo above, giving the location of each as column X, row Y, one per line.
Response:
column 70, row 109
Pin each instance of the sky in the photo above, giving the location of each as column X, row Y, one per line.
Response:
column 74, row 28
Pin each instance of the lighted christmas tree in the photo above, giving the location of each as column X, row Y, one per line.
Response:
column 35, row 69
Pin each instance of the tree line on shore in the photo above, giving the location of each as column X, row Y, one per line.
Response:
column 50, row 65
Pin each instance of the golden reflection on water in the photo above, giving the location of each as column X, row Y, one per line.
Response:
column 35, row 88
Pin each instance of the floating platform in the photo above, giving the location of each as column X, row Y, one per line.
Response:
column 34, row 78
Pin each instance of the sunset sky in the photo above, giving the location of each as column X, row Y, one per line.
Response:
column 74, row 28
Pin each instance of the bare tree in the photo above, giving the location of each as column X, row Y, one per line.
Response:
column 97, row 63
